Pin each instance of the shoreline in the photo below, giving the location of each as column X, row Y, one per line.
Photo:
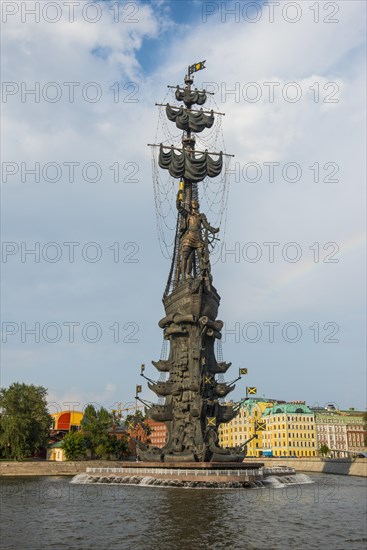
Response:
column 338, row 466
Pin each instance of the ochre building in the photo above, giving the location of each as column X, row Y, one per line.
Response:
column 283, row 429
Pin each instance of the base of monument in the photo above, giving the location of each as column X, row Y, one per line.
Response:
column 184, row 474
column 187, row 459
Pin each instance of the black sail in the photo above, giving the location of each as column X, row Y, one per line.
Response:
column 185, row 165
column 190, row 97
column 196, row 121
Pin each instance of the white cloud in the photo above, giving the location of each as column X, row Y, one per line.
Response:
column 106, row 132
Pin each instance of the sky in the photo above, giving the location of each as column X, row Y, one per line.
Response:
column 80, row 313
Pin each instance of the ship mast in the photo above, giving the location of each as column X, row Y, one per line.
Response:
column 193, row 408
column 188, row 144
column 190, row 121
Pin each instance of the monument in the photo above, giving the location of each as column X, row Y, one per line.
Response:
column 191, row 390
column 191, row 398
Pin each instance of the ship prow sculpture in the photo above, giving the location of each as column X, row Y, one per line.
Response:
column 191, row 399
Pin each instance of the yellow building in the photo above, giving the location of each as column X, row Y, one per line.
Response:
column 241, row 428
column 283, row 429
column 56, row 452
column 290, row 430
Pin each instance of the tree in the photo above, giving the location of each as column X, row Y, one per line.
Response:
column 324, row 450
column 120, row 447
column 89, row 426
column 96, row 427
column 74, row 445
column 24, row 420
column 105, row 449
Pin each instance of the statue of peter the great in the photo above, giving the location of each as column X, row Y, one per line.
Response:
column 192, row 239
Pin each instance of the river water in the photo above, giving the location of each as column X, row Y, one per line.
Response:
column 39, row 513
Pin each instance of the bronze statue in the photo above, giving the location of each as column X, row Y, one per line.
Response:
column 191, row 240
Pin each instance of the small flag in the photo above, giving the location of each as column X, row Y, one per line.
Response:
column 138, row 389
column 260, row 426
column 251, row 390
column 197, row 67
column 243, row 371
column 211, row 421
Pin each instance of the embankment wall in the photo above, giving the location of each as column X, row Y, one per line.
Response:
column 352, row 467
column 341, row 466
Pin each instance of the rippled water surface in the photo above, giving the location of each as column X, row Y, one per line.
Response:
column 51, row 512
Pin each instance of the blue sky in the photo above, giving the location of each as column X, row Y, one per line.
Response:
column 323, row 215
column 182, row 15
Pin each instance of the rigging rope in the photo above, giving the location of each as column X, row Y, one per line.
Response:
column 211, row 193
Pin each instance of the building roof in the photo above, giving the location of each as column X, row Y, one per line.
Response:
column 57, row 445
column 256, row 403
column 65, row 419
column 338, row 417
column 288, row 408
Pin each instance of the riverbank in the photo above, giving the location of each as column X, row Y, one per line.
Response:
column 342, row 466
column 338, row 466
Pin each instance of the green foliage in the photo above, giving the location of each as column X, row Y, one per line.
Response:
column 74, row 445
column 96, row 426
column 105, row 449
column 24, row 420
column 324, row 450
column 96, row 429
column 120, row 447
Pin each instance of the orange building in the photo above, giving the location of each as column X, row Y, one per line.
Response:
column 67, row 420
column 136, row 432
column 158, row 433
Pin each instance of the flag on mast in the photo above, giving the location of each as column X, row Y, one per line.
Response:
column 197, row 67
